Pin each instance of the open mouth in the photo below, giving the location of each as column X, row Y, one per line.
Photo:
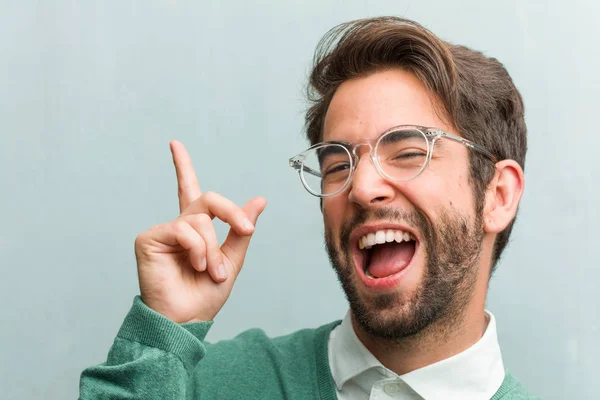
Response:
column 385, row 252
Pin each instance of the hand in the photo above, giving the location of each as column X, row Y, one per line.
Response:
column 183, row 272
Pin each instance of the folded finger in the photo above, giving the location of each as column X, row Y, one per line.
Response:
column 216, row 205
column 189, row 239
column 236, row 246
column 203, row 225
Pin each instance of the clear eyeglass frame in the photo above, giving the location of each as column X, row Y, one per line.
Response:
column 430, row 134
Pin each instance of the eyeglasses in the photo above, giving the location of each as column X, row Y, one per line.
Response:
column 400, row 154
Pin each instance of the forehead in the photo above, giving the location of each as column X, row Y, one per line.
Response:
column 362, row 108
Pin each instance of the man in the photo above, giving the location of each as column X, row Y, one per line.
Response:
column 417, row 156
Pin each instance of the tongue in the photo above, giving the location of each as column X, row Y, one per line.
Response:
column 389, row 258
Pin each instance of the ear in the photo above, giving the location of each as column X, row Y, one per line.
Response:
column 503, row 196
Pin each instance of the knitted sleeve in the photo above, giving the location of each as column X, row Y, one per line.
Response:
column 152, row 357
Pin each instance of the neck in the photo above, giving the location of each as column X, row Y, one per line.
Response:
column 437, row 342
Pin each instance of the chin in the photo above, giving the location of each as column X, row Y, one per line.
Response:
column 392, row 314
column 397, row 288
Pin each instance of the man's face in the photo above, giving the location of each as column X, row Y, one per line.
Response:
column 397, row 289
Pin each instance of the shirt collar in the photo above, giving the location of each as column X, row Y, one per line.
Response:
column 348, row 357
column 475, row 373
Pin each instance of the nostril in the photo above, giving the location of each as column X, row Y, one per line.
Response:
column 377, row 200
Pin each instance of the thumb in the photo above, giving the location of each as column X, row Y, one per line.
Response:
column 236, row 245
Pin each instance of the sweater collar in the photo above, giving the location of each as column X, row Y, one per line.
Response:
column 475, row 373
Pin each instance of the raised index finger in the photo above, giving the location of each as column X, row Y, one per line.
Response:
column 188, row 188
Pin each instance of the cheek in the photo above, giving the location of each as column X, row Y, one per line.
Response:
column 463, row 194
column 333, row 210
column 441, row 191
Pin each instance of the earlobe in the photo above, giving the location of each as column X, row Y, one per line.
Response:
column 503, row 196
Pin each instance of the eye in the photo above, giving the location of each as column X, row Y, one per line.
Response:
column 408, row 154
column 336, row 169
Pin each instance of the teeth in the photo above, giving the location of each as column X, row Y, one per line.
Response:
column 370, row 240
column 399, row 236
column 390, row 235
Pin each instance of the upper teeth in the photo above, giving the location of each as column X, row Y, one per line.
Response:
column 383, row 236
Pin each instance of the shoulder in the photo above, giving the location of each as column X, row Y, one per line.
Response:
column 253, row 358
column 255, row 343
column 305, row 337
column 512, row 389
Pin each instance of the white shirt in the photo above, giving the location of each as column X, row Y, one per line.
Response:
column 473, row 374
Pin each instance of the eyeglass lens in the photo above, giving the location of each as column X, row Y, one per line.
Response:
column 401, row 155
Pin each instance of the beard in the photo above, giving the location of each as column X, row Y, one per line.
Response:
column 452, row 248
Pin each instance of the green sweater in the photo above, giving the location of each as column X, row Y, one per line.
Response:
column 155, row 358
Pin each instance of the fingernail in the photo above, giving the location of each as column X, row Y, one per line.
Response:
column 221, row 272
column 247, row 225
column 203, row 264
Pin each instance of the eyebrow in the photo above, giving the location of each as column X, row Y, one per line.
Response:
column 441, row 144
column 392, row 136
column 329, row 150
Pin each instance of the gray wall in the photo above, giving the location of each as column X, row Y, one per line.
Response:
column 92, row 92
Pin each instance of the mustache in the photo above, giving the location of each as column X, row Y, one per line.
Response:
column 413, row 218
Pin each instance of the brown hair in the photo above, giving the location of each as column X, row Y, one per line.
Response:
column 474, row 93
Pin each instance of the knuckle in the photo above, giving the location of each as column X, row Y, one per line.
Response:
column 142, row 243
column 203, row 220
column 209, row 195
column 198, row 238
column 179, row 226
column 140, row 240
column 199, row 221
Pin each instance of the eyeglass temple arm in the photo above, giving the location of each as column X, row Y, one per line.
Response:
column 297, row 164
column 470, row 144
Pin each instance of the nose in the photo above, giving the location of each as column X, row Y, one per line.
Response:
column 368, row 188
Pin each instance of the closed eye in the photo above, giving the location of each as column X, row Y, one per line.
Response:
column 410, row 155
column 336, row 169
